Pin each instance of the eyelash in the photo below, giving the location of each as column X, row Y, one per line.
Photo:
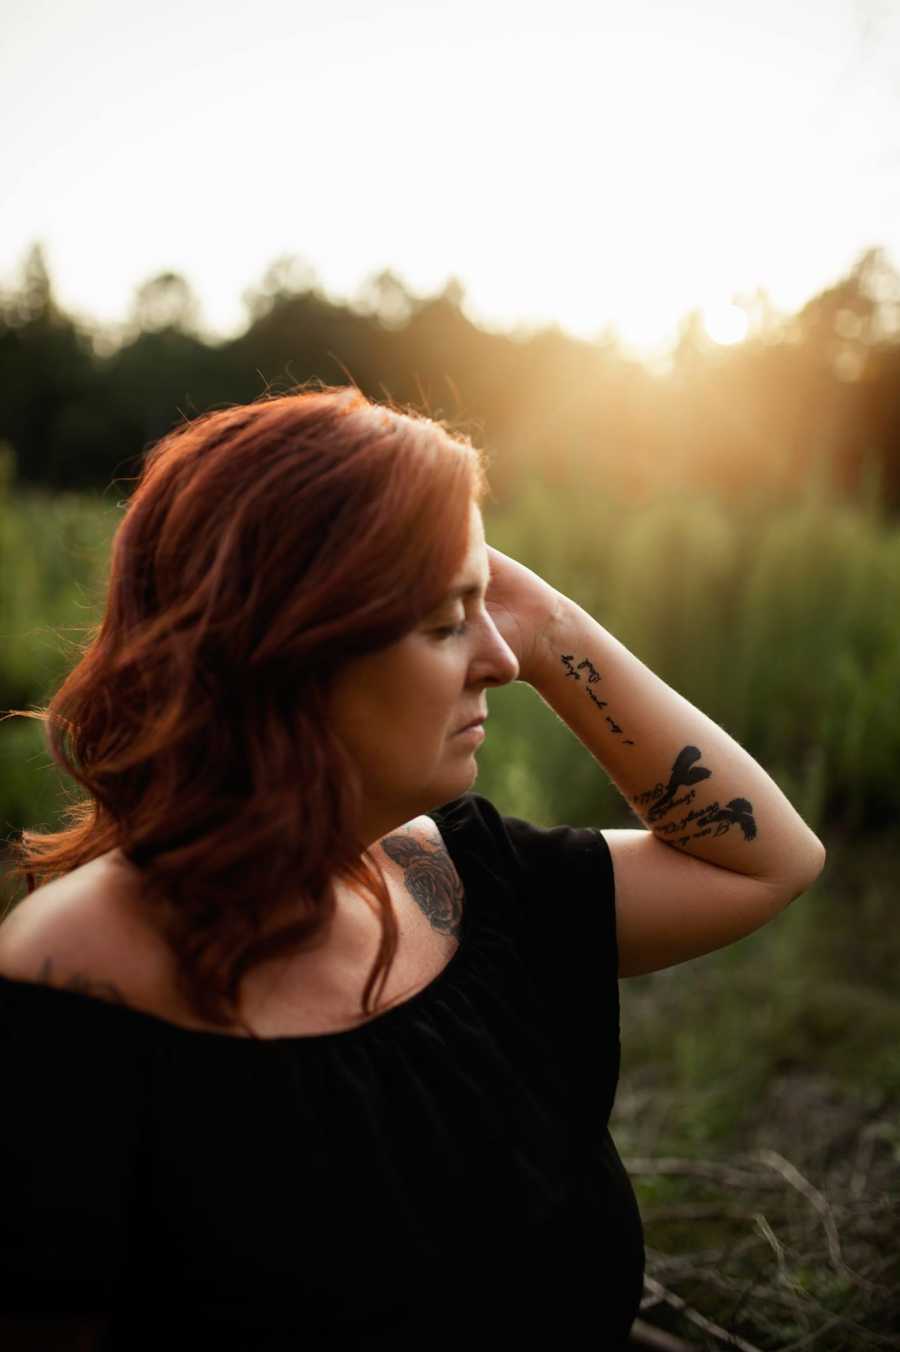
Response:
column 452, row 631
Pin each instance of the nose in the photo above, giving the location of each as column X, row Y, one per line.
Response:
column 495, row 663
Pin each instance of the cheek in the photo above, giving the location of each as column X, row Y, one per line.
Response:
column 408, row 698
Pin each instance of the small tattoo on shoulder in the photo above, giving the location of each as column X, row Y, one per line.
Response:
column 430, row 879
column 81, row 984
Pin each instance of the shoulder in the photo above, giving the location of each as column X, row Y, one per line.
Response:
column 84, row 932
column 423, row 832
column 415, row 846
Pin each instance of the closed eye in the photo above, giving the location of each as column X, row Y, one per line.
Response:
column 452, row 631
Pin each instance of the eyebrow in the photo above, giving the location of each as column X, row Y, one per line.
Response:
column 464, row 591
column 458, row 593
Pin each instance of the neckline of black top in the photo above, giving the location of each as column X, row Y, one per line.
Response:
column 403, row 1009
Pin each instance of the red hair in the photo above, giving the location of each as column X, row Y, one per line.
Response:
column 263, row 546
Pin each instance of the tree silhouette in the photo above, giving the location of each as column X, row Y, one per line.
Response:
column 164, row 302
column 818, row 387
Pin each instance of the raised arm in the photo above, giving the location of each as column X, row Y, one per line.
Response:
column 724, row 849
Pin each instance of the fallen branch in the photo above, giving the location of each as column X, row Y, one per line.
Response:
column 676, row 1302
column 655, row 1340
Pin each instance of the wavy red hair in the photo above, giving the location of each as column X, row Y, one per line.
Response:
column 263, row 546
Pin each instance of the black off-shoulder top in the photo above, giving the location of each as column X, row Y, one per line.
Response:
column 441, row 1172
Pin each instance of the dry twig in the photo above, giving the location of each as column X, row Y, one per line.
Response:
column 792, row 1307
column 676, row 1302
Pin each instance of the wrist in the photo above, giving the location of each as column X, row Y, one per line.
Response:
column 549, row 641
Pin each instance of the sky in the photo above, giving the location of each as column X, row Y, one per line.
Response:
column 588, row 163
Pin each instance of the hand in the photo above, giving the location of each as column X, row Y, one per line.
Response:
column 523, row 607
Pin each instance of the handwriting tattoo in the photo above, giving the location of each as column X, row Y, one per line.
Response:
column 593, row 676
column 737, row 812
column 430, row 879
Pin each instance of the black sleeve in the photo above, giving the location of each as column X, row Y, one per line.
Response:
column 559, row 878
column 556, row 888
column 69, row 1142
column 566, row 876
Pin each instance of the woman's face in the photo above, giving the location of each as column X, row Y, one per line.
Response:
column 399, row 711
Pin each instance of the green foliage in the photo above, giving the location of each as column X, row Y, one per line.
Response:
column 54, row 552
column 53, row 560
column 723, row 1024
column 33, row 786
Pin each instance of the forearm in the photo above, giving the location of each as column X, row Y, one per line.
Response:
column 690, row 783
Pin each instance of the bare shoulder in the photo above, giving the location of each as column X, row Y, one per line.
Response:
column 424, row 830
column 416, row 839
column 84, row 932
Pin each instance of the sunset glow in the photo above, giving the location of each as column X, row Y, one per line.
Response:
column 593, row 165
column 726, row 324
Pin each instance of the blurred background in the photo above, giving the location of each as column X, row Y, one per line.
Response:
column 646, row 255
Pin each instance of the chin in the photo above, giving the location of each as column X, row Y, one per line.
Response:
column 468, row 773
column 453, row 785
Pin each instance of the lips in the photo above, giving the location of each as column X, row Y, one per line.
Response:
column 476, row 723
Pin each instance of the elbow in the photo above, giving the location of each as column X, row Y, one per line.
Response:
column 804, row 880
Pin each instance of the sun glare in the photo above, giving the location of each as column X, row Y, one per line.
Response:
column 726, row 324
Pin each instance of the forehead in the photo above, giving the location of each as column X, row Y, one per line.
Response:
column 476, row 534
column 472, row 568
column 474, row 572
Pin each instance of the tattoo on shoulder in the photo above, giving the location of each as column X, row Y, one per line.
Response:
column 81, row 984
column 430, row 879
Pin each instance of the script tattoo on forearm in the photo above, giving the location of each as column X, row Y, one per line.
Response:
column 430, row 879
column 712, row 820
column 593, row 676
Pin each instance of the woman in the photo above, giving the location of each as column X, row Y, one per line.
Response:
column 217, row 1129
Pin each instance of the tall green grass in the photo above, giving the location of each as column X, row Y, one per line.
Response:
column 53, row 559
column 779, row 623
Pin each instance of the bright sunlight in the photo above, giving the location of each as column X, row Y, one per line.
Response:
column 726, row 324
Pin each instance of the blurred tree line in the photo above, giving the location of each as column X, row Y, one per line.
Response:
column 79, row 402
